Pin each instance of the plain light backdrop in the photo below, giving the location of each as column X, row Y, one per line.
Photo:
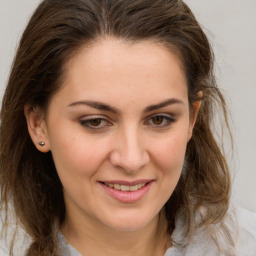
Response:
column 231, row 27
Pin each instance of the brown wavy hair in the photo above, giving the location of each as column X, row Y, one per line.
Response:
column 55, row 32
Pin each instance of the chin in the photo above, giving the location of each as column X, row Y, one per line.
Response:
column 130, row 223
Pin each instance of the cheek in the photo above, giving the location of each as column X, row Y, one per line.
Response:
column 169, row 158
column 171, row 152
column 75, row 157
column 173, row 159
column 168, row 161
column 77, row 164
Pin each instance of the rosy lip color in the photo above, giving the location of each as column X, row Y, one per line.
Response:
column 127, row 196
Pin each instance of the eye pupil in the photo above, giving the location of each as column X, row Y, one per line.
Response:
column 158, row 120
column 95, row 122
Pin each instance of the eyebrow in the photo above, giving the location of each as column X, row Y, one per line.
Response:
column 163, row 104
column 96, row 105
column 105, row 107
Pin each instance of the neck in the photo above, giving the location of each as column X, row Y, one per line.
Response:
column 88, row 240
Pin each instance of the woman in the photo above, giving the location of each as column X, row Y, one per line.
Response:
column 107, row 145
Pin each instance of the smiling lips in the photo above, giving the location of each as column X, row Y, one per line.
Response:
column 127, row 192
column 125, row 187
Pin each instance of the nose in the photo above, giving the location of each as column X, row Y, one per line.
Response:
column 129, row 151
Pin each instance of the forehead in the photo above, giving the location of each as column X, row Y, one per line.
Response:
column 112, row 52
column 119, row 69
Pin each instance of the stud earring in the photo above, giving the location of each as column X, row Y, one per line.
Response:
column 41, row 143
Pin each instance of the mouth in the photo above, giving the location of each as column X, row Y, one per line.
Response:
column 127, row 192
column 124, row 188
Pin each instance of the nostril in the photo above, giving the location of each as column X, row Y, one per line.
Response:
column 129, row 154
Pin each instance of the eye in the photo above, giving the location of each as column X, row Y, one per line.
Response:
column 160, row 120
column 94, row 122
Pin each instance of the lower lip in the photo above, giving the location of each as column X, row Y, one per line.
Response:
column 127, row 196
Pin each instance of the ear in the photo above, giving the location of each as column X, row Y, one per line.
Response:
column 37, row 127
column 194, row 113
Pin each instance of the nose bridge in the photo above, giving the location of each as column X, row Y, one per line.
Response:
column 130, row 152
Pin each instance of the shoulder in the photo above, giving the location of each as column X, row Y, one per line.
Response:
column 246, row 242
column 21, row 243
column 214, row 240
column 3, row 248
column 12, row 234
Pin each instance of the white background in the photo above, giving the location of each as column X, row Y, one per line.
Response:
column 231, row 26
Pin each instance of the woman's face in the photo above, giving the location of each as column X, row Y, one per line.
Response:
column 118, row 130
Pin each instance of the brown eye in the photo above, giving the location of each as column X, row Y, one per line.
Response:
column 157, row 120
column 160, row 121
column 95, row 122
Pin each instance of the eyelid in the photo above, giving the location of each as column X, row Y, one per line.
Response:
column 169, row 118
column 84, row 121
column 90, row 117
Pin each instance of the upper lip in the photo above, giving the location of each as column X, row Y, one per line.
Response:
column 127, row 183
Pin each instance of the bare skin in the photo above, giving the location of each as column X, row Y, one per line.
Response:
column 151, row 241
column 121, row 118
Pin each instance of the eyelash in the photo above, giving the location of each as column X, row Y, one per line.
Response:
column 88, row 122
column 167, row 120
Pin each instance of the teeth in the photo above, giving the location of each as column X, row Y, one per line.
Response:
column 134, row 188
column 117, row 186
column 126, row 188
